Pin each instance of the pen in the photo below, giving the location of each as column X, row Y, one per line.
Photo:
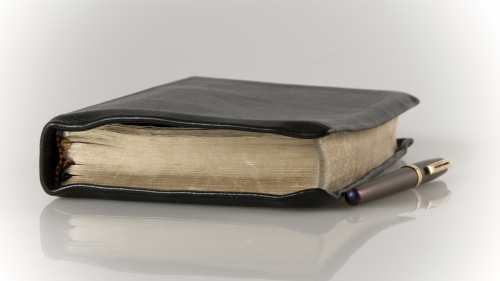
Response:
column 409, row 176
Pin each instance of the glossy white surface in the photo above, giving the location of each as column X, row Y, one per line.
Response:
column 58, row 56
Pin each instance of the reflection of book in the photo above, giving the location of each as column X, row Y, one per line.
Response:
column 224, row 141
column 218, row 241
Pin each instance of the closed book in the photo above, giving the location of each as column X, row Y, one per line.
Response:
column 221, row 141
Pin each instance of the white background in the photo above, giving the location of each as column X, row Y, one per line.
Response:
column 59, row 56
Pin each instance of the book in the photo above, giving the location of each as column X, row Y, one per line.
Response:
column 222, row 241
column 207, row 140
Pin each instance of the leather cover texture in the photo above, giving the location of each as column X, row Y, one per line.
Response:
column 291, row 110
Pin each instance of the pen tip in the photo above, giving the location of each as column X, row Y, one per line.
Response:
column 352, row 197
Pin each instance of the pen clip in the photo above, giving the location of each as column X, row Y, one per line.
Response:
column 438, row 166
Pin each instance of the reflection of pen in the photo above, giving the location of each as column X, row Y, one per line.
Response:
column 407, row 177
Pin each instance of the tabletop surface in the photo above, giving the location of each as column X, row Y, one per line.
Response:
column 59, row 56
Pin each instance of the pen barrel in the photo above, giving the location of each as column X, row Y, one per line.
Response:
column 399, row 180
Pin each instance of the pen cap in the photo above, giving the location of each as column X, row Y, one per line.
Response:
column 432, row 168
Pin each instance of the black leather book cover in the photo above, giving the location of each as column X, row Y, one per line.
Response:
column 290, row 110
